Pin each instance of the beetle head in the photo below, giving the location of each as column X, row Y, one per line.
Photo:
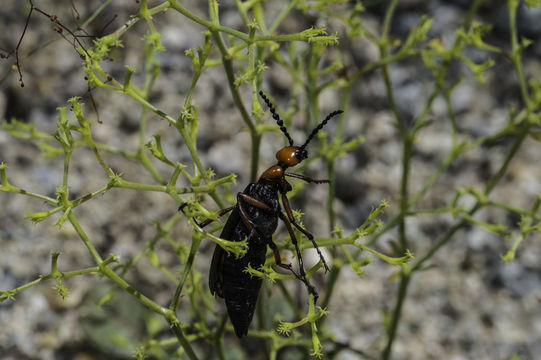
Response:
column 293, row 155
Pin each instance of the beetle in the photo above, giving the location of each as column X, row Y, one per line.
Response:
column 255, row 217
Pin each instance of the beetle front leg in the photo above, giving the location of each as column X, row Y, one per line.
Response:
column 241, row 197
column 244, row 215
column 289, row 213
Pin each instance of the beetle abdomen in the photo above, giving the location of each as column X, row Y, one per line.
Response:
column 240, row 289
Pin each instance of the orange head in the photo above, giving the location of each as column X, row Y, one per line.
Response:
column 291, row 155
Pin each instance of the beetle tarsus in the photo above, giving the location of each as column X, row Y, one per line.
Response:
column 181, row 208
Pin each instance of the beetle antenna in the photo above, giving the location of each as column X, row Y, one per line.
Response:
column 319, row 127
column 276, row 117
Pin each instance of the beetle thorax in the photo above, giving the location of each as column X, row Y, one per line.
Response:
column 274, row 172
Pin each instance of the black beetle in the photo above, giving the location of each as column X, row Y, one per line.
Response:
column 255, row 218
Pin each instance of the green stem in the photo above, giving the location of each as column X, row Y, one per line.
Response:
column 213, row 27
column 405, row 278
column 393, row 326
column 285, row 11
column 211, row 186
column 196, row 241
column 13, row 189
column 254, row 135
column 67, row 157
column 331, row 281
column 96, row 13
column 331, row 171
column 516, row 53
column 150, row 76
column 407, row 136
column 177, row 330
column 195, row 157
column 107, row 271
column 9, row 293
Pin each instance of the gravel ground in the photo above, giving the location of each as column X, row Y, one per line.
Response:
column 467, row 305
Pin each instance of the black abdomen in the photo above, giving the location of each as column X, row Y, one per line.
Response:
column 240, row 289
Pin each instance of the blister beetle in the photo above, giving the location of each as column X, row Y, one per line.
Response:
column 255, row 217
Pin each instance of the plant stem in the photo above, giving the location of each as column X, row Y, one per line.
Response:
column 393, row 326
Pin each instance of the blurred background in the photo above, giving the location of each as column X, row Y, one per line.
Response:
column 466, row 305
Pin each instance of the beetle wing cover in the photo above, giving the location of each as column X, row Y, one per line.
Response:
column 215, row 277
column 216, row 266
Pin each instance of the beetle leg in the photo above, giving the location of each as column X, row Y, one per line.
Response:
column 244, row 215
column 289, row 213
column 220, row 213
column 208, row 221
column 301, row 276
column 253, row 201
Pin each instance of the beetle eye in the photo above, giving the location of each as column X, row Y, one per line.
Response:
column 302, row 154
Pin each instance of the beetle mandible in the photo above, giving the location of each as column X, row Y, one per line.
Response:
column 255, row 217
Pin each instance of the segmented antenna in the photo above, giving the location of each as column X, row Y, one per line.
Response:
column 319, row 127
column 276, row 117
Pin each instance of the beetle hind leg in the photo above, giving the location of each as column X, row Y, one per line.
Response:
column 301, row 276
column 291, row 220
